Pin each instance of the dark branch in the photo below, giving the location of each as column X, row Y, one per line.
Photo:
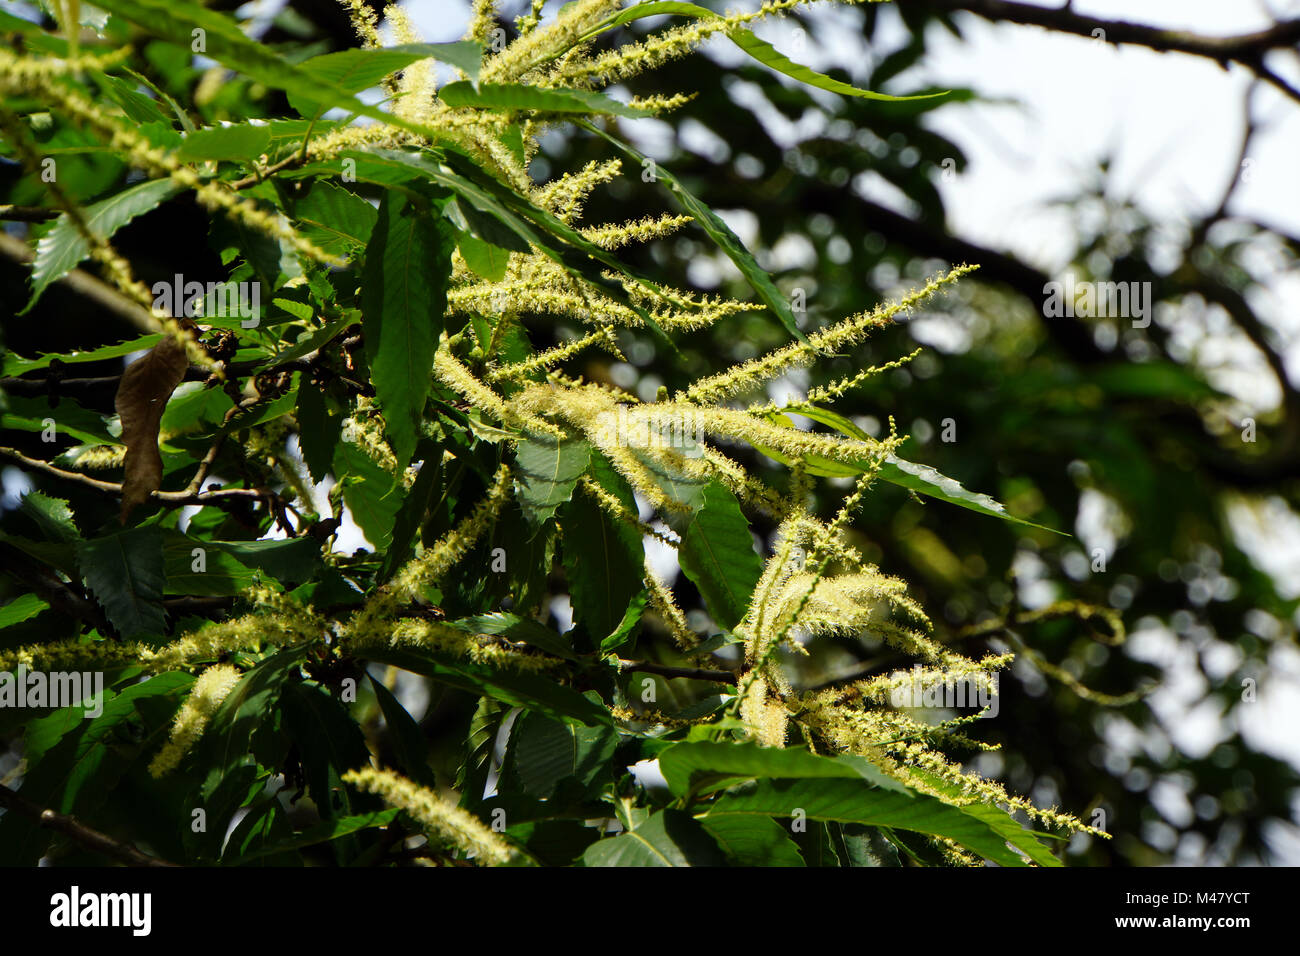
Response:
column 666, row 670
column 1247, row 49
column 79, row 833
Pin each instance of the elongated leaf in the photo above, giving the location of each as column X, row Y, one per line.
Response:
column 240, row 143
column 717, row 554
column 225, row 42
column 703, row 766
column 719, row 232
column 856, row 801
column 668, row 838
column 18, row 365
column 753, row 841
column 126, row 573
column 546, row 751
column 518, row 629
column 517, row 688
column 760, row 50
column 195, row 567
column 371, row 494
column 60, row 250
column 407, row 738
column 916, row 477
column 231, row 731
column 329, row 743
column 355, row 70
column 404, row 299
column 415, row 508
column 22, row 608
column 288, row 561
column 73, row 769
column 325, row 832
column 533, row 226
column 603, row 557
column 770, row 56
column 509, row 97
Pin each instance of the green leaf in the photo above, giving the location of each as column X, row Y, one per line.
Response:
column 60, row 250
column 212, row 571
column 414, row 509
column 549, row 469
column 18, row 365
column 371, row 494
column 603, row 558
column 864, row 846
column 289, row 561
column 225, row 42
column 319, row 430
column 547, row 751
column 52, row 516
column 760, row 50
column 517, row 688
column 509, row 97
column 668, row 838
column 404, row 298
column 480, row 743
column 408, row 741
column 702, row 767
column 770, row 56
column 719, row 232
column 915, row 477
column 238, row 144
column 329, row 744
column 856, row 801
column 518, row 629
column 22, row 608
column 325, row 832
column 355, row 70
column 626, row 630
column 127, row 575
column 928, row 481
column 231, row 730
column 717, row 554
column 484, row 258
column 338, row 221
column 753, row 841
column 82, row 760
column 535, row 227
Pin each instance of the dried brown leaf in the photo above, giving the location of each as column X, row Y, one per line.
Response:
column 142, row 396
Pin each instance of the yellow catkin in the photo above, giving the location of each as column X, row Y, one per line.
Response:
column 209, row 690
column 441, row 820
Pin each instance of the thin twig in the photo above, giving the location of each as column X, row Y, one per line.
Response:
column 666, row 670
column 80, row 834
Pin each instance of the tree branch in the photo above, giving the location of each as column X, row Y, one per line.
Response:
column 86, row 284
column 1247, row 49
column 79, row 833
column 666, row 670
column 171, row 499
